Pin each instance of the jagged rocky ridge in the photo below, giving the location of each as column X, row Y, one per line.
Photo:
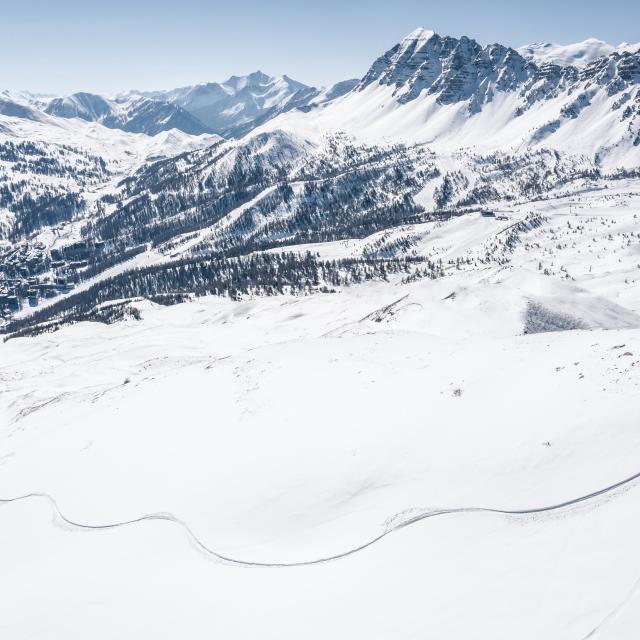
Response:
column 456, row 70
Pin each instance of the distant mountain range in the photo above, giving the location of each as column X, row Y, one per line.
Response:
column 234, row 107
column 452, row 70
column 578, row 54
column 135, row 115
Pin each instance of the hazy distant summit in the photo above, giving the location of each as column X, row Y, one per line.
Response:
column 231, row 108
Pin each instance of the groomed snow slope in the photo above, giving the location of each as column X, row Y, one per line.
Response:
column 289, row 430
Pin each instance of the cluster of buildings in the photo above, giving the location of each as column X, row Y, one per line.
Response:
column 29, row 272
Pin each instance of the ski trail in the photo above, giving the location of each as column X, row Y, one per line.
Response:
column 201, row 546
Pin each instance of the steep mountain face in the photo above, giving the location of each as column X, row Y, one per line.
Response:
column 136, row 115
column 87, row 106
column 454, row 93
column 452, row 69
column 457, row 70
column 336, row 91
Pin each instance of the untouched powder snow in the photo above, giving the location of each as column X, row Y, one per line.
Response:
column 277, row 441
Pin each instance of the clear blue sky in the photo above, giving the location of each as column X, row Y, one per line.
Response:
column 69, row 45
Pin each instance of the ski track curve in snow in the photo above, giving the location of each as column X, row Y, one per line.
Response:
column 203, row 548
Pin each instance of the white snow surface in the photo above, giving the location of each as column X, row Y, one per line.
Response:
column 228, row 106
column 373, row 114
column 577, row 54
column 290, row 430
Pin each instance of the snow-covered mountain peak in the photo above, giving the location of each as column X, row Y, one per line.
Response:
column 16, row 108
column 261, row 82
column 452, row 68
column 417, row 37
column 83, row 105
column 578, row 54
column 240, row 103
column 454, row 91
column 230, row 108
column 238, row 83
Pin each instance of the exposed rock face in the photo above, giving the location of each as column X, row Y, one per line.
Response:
column 456, row 70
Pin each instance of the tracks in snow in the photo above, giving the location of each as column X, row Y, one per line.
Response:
column 203, row 548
